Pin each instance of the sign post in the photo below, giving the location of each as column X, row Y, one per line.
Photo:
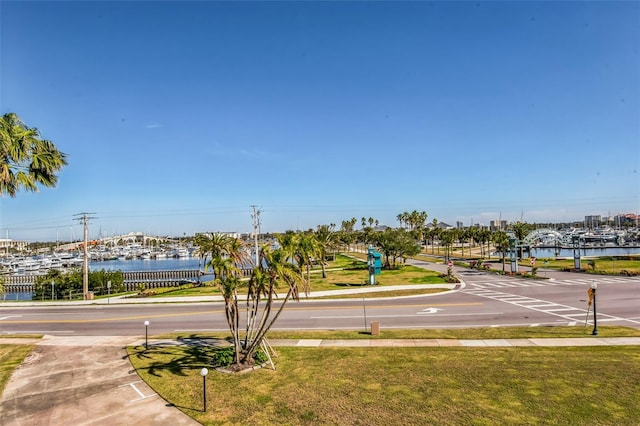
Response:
column 513, row 254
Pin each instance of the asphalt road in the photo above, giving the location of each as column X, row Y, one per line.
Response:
column 484, row 300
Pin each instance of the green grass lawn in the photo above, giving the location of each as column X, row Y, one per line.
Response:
column 412, row 386
column 343, row 272
column 11, row 356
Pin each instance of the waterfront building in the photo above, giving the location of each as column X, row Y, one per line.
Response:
column 7, row 244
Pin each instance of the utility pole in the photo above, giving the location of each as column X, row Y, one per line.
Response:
column 256, row 231
column 84, row 217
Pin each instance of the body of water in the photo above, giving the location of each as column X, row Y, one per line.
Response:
column 171, row 264
column 586, row 252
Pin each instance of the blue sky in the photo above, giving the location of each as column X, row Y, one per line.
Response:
column 179, row 116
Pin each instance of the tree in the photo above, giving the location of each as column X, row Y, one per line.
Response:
column 521, row 229
column 501, row 242
column 434, row 233
column 66, row 285
column 483, row 236
column 463, row 236
column 274, row 271
column 26, row 160
column 326, row 241
column 274, row 268
column 395, row 243
column 447, row 238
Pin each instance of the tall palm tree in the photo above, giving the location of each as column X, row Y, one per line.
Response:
column 521, row 229
column 202, row 241
column 305, row 253
column 326, row 242
column 26, row 160
column 275, row 270
column 501, row 242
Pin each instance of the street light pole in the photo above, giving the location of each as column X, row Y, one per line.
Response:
column 146, row 334
column 204, row 373
column 594, row 287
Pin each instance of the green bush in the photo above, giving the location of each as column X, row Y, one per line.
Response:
column 67, row 284
column 222, row 357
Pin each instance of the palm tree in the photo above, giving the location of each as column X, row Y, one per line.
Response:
column 521, row 229
column 447, row 237
column 202, row 242
column 326, row 241
column 26, row 160
column 501, row 242
column 274, row 270
column 306, row 251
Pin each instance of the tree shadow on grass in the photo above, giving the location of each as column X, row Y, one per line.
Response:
column 187, row 354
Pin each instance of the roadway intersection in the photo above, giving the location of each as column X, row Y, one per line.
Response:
column 483, row 300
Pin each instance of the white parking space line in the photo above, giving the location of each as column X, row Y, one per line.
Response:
column 135, row 388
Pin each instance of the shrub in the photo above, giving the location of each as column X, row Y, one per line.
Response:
column 222, row 357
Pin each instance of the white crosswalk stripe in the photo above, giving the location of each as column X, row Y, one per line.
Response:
column 570, row 313
column 514, row 283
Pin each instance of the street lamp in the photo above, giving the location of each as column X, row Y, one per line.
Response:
column 204, row 373
column 594, row 287
column 146, row 334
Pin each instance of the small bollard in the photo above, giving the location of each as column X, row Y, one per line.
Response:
column 375, row 328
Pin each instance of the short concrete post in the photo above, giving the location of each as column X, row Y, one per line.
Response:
column 375, row 328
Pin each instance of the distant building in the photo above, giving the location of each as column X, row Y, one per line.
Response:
column 498, row 225
column 627, row 219
column 459, row 224
column 8, row 243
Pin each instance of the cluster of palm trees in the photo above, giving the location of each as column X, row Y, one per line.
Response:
column 282, row 268
column 415, row 224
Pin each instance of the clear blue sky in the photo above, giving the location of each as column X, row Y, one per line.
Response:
column 178, row 116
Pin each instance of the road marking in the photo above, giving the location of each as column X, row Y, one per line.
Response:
column 39, row 332
column 142, row 317
column 538, row 305
column 429, row 311
column 10, row 316
column 541, row 283
column 133, row 386
column 406, row 316
column 74, row 321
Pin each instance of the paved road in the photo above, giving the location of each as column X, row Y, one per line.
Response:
column 483, row 300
